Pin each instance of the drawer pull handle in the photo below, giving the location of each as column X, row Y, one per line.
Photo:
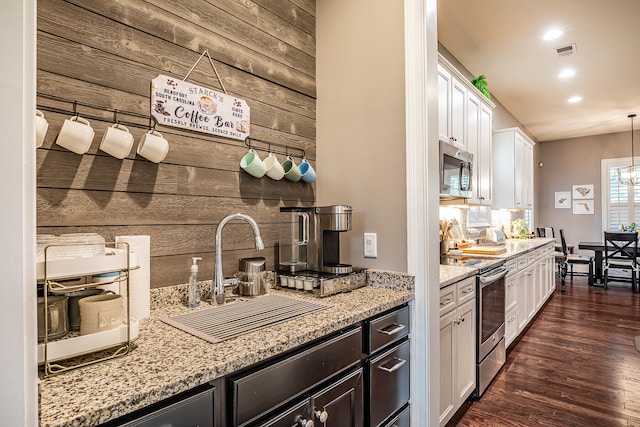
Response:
column 468, row 291
column 392, row 329
column 446, row 302
column 395, row 367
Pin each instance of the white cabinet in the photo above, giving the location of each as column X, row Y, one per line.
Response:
column 513, row 169
column 484, row 164
column 531, row 281
column 444, row 103
column 457, row 346
column 479, row 143
column 452, row 96
column 465, row 120
column 458, row 118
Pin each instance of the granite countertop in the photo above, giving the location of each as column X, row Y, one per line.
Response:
column 515, row 247
column 167, row 361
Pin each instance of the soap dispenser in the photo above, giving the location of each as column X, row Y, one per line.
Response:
column 194, row 284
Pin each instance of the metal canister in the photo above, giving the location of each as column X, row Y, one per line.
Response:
column 254, row 268
column 336, row 217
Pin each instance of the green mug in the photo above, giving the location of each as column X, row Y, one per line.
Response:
column 252, row 164
column 291, row 170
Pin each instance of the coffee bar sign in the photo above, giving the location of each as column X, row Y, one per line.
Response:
column 181, row 104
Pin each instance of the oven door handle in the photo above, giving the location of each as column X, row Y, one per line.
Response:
column 502, row 271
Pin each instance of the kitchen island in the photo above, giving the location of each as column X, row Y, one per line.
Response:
column 167, row 361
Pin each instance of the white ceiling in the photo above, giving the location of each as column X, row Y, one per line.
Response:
column 502, row 39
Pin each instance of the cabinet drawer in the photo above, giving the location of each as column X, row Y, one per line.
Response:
column 259, row 392
column 466, row 290
column 386, row 329
column 401, row 420
column 196, row 410
column 290, row 416
column 512, row 265
column 388, row 383
column 447, row 299
column 522, row 262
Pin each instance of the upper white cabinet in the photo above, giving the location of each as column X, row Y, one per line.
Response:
column 513, row 169
column 464, row 119
column 452, row 96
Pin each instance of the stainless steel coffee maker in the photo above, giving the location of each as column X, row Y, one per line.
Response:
column 310, row 238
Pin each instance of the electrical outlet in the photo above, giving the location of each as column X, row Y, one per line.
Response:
column 370, row 245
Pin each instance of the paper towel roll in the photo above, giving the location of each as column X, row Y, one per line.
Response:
column 140, row 279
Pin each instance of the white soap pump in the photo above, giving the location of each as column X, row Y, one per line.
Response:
column 194, row 284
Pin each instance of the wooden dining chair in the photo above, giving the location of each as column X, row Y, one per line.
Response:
column 570, row 260
column 621, row 252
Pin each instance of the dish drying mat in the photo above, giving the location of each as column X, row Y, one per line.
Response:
column 218, row 324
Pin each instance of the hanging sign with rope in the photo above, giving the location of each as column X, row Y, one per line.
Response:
column 181, row 104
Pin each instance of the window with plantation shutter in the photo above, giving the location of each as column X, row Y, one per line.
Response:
column 620, row 203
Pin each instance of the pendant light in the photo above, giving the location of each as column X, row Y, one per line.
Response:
column 630, row 175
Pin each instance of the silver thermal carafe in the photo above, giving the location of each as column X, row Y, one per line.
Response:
column 310, row 238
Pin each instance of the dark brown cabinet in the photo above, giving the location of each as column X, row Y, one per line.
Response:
column 356, row 377
column 340, row 404
column 387, row 368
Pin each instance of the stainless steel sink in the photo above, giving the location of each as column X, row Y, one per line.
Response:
column 221, row 323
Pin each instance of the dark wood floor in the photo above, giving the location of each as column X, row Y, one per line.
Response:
column 576, row 365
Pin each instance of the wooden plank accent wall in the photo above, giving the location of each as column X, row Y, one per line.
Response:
column 106, row 53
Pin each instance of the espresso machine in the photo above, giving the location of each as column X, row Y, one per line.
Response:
column 310, row 247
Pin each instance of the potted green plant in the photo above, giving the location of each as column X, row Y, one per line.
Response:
column 480, row 83
column 520, row 228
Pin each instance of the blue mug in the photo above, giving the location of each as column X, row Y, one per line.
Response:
column 307, row 171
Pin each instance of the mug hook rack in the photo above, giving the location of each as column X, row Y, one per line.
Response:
column 271, row 150
column 75, row 111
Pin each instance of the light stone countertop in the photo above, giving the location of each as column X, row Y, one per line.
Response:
column 515, row 247
column 167, row 361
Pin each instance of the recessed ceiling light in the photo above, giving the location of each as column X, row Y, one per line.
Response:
column 574, row 99
column 565, row 74
column 552, row 34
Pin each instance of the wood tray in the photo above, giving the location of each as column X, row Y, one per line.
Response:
column 485, row 250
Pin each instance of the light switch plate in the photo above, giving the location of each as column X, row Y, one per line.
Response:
column 370, row 245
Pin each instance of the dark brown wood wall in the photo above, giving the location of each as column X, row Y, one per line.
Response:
column 106, row 53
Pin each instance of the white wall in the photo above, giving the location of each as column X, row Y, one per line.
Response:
column 18, row 374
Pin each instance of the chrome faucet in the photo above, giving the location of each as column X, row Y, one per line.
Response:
column 218, row 289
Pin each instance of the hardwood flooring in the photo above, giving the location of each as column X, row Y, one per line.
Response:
column 576, row 365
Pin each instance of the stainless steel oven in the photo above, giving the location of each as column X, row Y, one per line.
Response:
column 490, row 348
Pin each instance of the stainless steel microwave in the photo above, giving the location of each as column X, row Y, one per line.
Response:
column 456, row 168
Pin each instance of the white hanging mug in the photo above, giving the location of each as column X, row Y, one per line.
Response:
column 153, row 146
column 76, row 135
column 274, row 168
column 41, row 128
column 117, row 141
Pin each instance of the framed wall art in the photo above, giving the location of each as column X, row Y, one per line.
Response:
column 583, row 207
column 563, row 199
column 582, row 191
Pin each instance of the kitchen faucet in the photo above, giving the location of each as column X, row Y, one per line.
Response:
column 218, row 289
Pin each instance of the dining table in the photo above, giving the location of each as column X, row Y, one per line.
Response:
column 598, row 250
